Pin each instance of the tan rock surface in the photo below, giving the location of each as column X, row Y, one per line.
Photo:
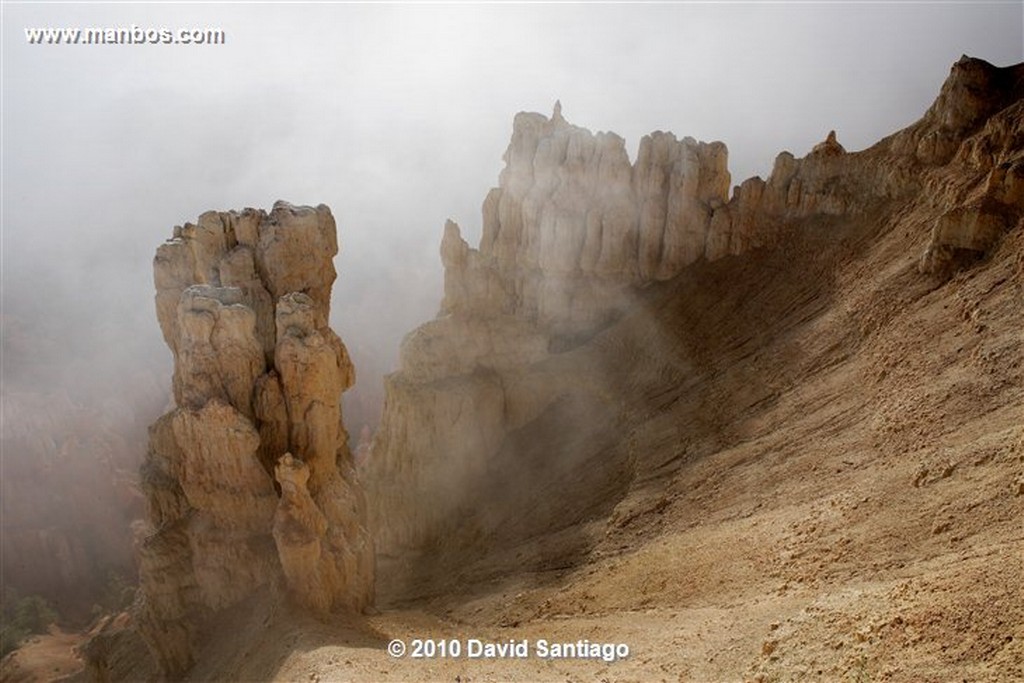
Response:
column 243, row 301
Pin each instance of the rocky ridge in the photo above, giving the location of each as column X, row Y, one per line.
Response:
column 574, row 233
column 248, row 480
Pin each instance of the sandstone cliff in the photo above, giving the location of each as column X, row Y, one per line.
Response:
column 249, row 481
column 495, row 426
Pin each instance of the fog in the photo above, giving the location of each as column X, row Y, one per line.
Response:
column 396, row 116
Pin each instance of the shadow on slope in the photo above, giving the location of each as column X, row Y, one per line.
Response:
column 676, row 379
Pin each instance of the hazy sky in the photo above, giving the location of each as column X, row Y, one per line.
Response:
column 397, row 116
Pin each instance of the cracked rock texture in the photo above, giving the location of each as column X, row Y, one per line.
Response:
column 249, row 481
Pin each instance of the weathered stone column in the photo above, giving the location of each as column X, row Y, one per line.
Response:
column 243, row 301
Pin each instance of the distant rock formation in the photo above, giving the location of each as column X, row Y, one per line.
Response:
column 69, row 492
column 830, row 147
column 249, row 479
column 574, row 232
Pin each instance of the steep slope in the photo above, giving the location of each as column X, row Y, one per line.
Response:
column 818, row 456
column 507, row 420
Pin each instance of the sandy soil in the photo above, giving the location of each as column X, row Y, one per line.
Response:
column 49, row 657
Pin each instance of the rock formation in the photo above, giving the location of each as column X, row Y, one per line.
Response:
column 573, row 225
column 249, row 480
column 975, row 126
column 574, row 233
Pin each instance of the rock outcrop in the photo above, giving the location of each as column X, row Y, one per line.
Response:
column 249, row 480
column 573, row 225
column 574, row 233
column 981, row 106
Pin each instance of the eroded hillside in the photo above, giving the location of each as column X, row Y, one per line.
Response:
column 776, row 436
column 803, row 459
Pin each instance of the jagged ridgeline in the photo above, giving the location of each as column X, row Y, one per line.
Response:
column 249, row 480
column 509, row 415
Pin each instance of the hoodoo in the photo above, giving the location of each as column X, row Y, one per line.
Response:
column 249, row 480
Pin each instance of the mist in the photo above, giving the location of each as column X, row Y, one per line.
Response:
column 395, row 116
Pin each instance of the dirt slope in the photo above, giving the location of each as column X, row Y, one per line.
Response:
column 48, row 657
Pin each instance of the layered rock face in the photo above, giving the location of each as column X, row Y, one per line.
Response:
column 976, row 124
column 249, row 479
column 574, row 232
